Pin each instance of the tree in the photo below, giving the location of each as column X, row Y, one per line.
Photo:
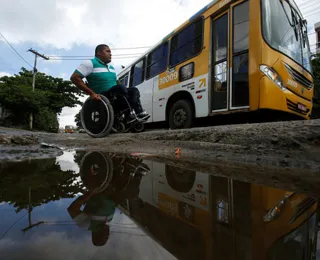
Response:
column 43, row 178
column 46, row 120
column 77, row 119
column 50, row 96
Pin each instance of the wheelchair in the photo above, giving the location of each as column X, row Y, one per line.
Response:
column 100, row 117
column 107, row 172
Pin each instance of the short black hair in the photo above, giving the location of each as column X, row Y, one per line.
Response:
column 100, row 48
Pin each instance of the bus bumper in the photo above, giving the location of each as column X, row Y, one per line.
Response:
column 272, row 97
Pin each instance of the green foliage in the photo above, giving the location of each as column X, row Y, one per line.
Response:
column 77, row 119
column 50, row 96
column 46, row 120
column 43, row 178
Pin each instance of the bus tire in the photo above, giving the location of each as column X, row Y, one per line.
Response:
column 181, row 115
column 179, row 179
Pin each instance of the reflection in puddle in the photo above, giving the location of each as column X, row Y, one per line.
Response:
column 93, row 204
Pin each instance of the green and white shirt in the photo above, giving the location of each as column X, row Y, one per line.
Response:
column 101, row 77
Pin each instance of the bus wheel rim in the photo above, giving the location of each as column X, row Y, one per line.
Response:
column 180, row 117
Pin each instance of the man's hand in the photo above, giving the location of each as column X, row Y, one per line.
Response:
column 95, row 96
column 76, row 79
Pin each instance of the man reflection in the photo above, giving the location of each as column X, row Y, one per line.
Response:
column 105, row 191
column 97, row 213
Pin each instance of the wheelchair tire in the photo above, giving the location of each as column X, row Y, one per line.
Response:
column 96, row 171
column 138, row 127
column 90, row 117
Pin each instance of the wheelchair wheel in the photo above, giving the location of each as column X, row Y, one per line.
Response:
column 97, row 117
column 137, row 127
column 96, row 171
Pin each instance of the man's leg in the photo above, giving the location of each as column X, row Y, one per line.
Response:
column 123, row 91
column 134, row 97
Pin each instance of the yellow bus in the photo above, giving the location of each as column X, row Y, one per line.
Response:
column 208, row 217
column 68, row 129
column 231, row 56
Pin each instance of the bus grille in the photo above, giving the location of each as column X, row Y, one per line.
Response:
column 301, row 208
column 298, row 77
column 294, row 107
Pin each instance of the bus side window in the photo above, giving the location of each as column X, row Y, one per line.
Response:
column 187, row 43
column 157, row 61
column 124, row 80
column 137, row 73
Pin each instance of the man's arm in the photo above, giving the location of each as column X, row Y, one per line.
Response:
column 82, row 71
column 74, row 208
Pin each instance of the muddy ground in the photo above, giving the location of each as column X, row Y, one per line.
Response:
column 280, row 154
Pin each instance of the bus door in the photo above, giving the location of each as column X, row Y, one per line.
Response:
column 220, row 63
column 230, row 59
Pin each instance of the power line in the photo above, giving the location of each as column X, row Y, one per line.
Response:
column 179, row 4
column 86, row 58
column 130, row 48
column 15, row 50
column 13, row 224
column 307, row 3
column 312, row 14
column 313, row 7
column 314, row 44
column 91, row 56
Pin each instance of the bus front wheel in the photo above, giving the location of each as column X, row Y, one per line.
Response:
column 181, row 115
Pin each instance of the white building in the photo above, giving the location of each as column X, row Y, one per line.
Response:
column 317, row 29
column 3, row 112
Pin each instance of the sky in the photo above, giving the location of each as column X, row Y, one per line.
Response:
column 75, row 27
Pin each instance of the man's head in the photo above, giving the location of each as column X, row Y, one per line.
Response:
column 100, row 234
column 103, row 52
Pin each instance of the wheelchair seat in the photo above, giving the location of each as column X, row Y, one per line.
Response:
column 97, row 116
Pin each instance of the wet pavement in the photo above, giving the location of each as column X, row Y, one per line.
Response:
column 98, row 205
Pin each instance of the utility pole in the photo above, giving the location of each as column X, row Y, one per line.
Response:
column 34, row 79
column 29, row 215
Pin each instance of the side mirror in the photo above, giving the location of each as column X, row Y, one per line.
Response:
column 304, row 38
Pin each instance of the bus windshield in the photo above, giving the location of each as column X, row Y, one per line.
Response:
column 284, row 30
column 297, row 245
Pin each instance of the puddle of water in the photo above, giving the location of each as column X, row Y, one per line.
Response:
column 92, row 205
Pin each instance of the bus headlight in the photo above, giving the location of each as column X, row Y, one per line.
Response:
column 274, row 76
column 275, row 211
column 272, row 214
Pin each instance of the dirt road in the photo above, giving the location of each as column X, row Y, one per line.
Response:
column 294, row 144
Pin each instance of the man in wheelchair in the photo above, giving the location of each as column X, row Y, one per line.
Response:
column 102, row 79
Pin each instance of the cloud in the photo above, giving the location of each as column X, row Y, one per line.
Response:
column 45, row 70
column 64, row 76
column 67, row 116
column 2, row 74
column 66, row 162
column 119, row 23
column 62, row 24
column 122, row 244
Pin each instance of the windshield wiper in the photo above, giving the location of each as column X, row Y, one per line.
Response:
column 296, row 22
column 304, row 33
column 292, row 22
